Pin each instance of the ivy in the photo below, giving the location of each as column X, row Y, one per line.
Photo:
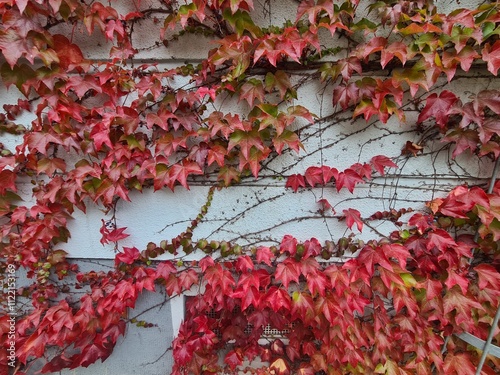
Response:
column 393, row 309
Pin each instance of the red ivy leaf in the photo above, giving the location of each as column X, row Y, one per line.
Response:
column 117, row 234
column 398, row 49
column 264, row 255
column 7, row 181
column 454, row 278
column 165, row 269
column 234, row 358
column 433, row 288
column 345, row 95
column 251, row 90
column 91, row 354
column 438, row 107
column 349, row 179
column 314, row 175
column 364, row 170
column 113, row 235
column 421, row 221
column 249, row 296
column 129, row 255
column 70, row 55
column 303, row 306
column 289, row 139
column 353, row 216
column 295, row 181
column 371, row 256
column 325, row 205
column 491, row 55
column 380, row 161
column 398, row 252
column 13, row 46
column 374, row 45
column 288, row 271
column 278, row 298
column 459, row 363
column 312, row 10
column 488, row 98
column 440, row 239
column 487, row 275
column 288, row 244
column 188, row 278
column 180, row 172
column 244, row 263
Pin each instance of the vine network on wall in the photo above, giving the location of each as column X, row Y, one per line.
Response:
column 103, row 129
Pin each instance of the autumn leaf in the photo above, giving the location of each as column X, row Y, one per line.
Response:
column 370, row 256
column 7, row 181
column 353, row 216
column 440, row 239
column 348, row 179
column 287, row 138
column 366, row 108
column 288, row 271
column 395, row 49
column 295, row 181
column 462, row 304
column 245, row 140
column 234, row 358
column 13, row 46
column 280, row 367
column 459, row 363
column 456, row 277
column 379, row 163
column 438, row 107
column 411, row 148
column 251, row 90
column 228, row 175
column 488, row 276
column 278, row 298
column 421, row 221
column 164, row 269
column 264, row 255
column 375, row 44
column 249, row 296
column 180, row 173
column 487, row 98
column 279, row 81
column 302, row 306
column 128, row 256
column 491, row 54
column 345, row 95
column 312, row 10
column 70, row 55
column 91, row 354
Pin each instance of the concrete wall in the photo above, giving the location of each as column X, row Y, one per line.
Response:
column 262, row 210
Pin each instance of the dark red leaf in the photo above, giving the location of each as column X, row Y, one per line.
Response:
column 288, row 244
column 379, row 163
column 278, row 298
column 491, row 54
column 352, row 217
column 234, row 358
column 288, row 271
column 438, row 107
column 295, row 181
column 349, row 179
column 264, row 255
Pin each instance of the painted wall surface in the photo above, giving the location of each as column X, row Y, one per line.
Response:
column 262, row 210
